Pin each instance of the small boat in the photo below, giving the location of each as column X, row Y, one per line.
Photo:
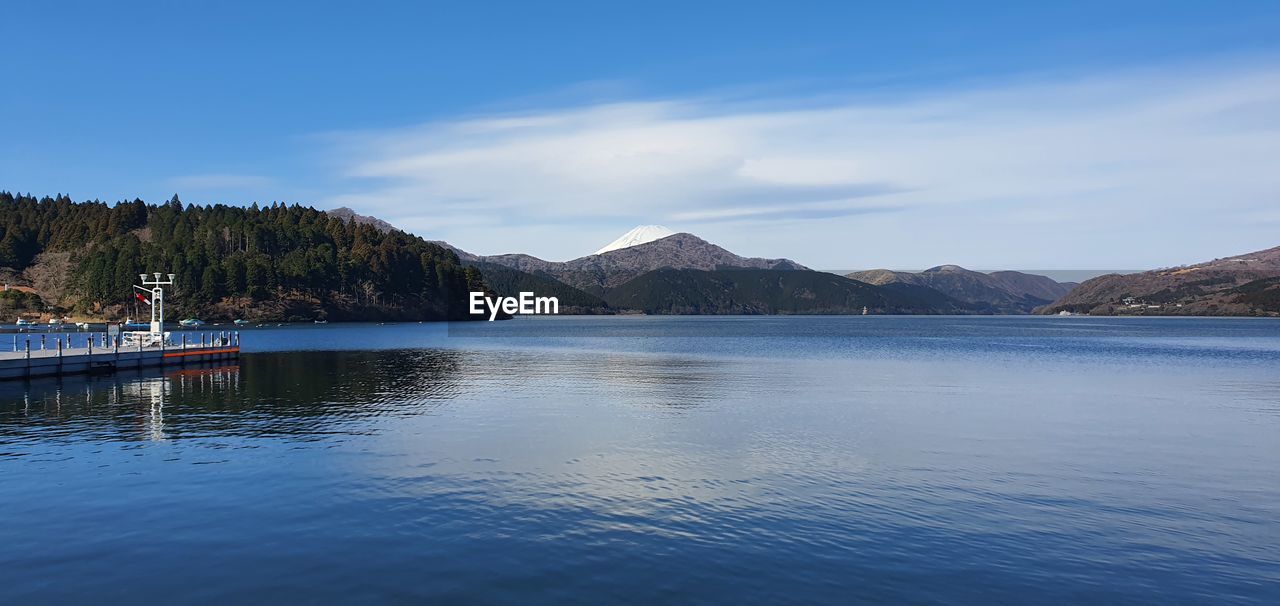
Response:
column 321, row 321
column 242, row 322
column 191, row 323
column 57, row 321
column 130, row 324
column 82, row 325
column 24, row 322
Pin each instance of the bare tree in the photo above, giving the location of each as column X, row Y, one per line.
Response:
column 50, row 276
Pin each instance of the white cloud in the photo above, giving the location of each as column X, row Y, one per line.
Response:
column 1118, row 162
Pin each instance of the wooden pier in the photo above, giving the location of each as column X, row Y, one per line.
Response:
column 103, row 353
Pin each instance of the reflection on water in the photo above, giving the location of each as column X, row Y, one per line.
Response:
column 299, row 394
column 128, row 405
column 309, row 394
column 762, row 469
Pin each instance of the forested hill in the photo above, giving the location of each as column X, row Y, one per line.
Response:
column 275, row 262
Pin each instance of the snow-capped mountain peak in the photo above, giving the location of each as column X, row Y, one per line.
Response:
column 639, row 235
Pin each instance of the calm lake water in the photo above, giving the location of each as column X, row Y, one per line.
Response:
column 641, row 460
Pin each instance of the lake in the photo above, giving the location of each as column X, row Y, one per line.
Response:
column 898, row 460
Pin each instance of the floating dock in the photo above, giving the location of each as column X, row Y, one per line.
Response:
column 70, row 353
column 105, row 353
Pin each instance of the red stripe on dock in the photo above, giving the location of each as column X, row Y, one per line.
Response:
column 202, row 353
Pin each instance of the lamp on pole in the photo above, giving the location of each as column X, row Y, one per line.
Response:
column 157, row 298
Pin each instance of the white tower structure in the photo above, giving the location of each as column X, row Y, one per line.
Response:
column 157, row 298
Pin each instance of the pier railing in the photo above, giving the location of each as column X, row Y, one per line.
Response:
column 68, row 343
column 47, row 355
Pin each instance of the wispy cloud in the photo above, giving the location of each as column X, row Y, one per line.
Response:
column 1161, row 150
column 775, row 213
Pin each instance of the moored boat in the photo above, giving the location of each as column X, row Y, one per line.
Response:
column 242, row 322
column 191, row 323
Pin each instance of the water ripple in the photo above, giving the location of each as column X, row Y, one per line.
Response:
column 959, row 466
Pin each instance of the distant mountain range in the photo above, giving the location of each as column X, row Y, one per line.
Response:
column 600, row 272
column 681, row 273
column 648, row 269
column 1001, row 292
column 765, row 291
column 294, row 263
column 1247, row 284
column 511, row 282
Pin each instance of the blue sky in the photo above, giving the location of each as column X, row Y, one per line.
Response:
column 840, row 134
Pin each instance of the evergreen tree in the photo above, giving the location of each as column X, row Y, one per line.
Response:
column 275, row 255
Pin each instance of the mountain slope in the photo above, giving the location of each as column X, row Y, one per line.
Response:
column 1230, row 286
column 276, row 262
column 510, row 282
column 998, row 292
column 347, row 214
column 638, row 235
column 597, row 273
column 936, row 300
column 1262, row 295
column 1034, row 286
column 758, row 291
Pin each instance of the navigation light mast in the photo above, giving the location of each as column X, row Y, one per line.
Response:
column 157, row 298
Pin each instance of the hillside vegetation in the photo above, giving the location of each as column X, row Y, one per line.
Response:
column 272, row 262
column 759, row 291
column 1243, row 285
column 509, row 282
column 1002, row 292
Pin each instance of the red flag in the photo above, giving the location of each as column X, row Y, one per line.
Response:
column 142, row 298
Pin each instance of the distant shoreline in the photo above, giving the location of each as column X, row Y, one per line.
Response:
column 1060, row 275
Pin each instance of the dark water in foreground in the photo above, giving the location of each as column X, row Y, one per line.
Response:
column 729, row 460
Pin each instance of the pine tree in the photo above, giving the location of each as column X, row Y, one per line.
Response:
column 264, row 253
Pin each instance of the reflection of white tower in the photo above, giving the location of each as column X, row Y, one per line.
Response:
column 159, row 389
column 155, row 391
column 155, row 422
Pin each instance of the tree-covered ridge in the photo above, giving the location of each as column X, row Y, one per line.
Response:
column 270, row 262
column 763, row 291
